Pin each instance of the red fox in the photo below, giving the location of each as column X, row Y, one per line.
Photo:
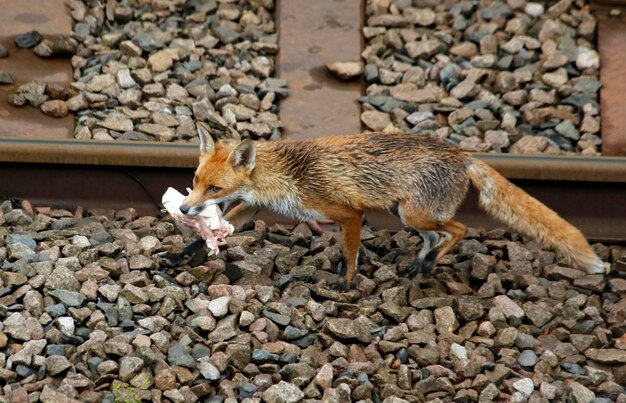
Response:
column 421, row 180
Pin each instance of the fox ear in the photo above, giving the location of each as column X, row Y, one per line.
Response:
column 207, row 145
column 243, row 157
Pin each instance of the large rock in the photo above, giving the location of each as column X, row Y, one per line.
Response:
column 606, row 356
column 283, row 392
column 349, row 329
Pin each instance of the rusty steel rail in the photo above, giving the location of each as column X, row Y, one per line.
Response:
column 179, row 155
column 611, row 16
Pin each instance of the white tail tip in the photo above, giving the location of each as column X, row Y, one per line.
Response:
column 599, row 267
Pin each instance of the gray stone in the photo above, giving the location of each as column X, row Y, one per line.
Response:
column 178, row 355
column 607, row 355
column 17, row 217
column 28, row 351
column 110, row 291
column 445, row 320
column 527, row 358
column 18, row 251
column 580, row 393
column 129, row 367
column 282, row 320
column 118, row 122
column 225, row 329
column 5, row 78
column 66, row 325
column 28, row 40
column 508, row 307
column 567, row 129
column 349, row 329
column 292, row 333
column 62, row 278
column 375, row 120
column 134, row 294
column 423, row 49
column 589, row 59
column 100, row 83
column 69, row 298
column 55, row 364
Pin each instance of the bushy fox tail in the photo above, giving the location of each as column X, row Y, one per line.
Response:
column 523, row 213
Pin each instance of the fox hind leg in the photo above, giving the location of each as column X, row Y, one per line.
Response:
column 450, row 234
column 438, row 238
column 458, row 231
column 425, row 260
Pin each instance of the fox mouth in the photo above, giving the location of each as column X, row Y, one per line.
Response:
column 225, row 203
column 224, row 206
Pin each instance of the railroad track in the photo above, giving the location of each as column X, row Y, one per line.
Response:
column 50, row 170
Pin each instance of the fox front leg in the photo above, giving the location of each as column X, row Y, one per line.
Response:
column 169, row 260
column 241, row 214
column 351, row 230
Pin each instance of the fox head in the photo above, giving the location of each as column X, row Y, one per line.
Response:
column 222, row 173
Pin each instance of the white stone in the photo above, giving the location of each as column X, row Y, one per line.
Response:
column 246, row 318
column 208, row 370
column 81, row 241
column 124, row 78
column 525, row 386
column 458, row 351
column 534, row 9
column 219, row 306
column 149, row 243
column 283, row 392
column 508, row 307
column 66, row 325
column 589, row 59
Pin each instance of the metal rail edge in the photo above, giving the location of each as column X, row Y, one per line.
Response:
column 178, row 155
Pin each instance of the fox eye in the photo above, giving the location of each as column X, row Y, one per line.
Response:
column 213, row 189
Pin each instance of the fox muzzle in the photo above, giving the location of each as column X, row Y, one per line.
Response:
column 184, row 208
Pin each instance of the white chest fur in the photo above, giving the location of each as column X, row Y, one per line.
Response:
column 289, row 206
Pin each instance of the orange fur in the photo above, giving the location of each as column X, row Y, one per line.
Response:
column 421, row 179
column 522, row 212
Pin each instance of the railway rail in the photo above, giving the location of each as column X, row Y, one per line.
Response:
column 51, row 170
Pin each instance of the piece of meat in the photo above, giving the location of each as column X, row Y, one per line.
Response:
column 209, row 224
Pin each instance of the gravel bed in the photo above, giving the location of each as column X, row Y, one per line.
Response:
column 86, row 315
column 151, row 69
column 148, row 70
column 490, row 76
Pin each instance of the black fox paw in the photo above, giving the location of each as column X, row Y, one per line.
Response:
column 424, row 268
column 170, row 260
column 342, row 286
column 342, row 268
